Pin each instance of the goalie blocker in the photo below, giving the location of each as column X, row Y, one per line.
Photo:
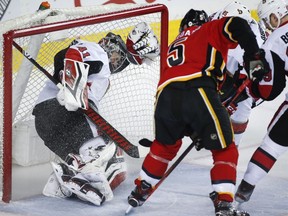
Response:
column 73, row 94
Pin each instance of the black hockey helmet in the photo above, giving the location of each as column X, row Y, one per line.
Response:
column 116, row 50
column 193, row 17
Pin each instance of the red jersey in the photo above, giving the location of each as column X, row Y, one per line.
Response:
column 198, row 51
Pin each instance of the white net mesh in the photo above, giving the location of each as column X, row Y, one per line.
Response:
column 129, row 103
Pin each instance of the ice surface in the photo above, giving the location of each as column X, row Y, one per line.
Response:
column 185, row 192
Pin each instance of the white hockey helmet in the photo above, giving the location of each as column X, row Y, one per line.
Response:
column 268, row 7
column 236, row 8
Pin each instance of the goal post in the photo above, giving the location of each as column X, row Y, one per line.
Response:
column 128, row 105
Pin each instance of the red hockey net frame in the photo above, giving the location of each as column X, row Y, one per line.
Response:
column 7, row 70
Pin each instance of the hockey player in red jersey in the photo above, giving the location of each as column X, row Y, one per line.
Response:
column 188, row 102
column 92, row 166
column 274, row 14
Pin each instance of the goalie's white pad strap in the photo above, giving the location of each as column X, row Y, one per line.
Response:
column 73, row 95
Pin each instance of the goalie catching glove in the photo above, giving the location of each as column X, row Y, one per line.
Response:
column 142, row 44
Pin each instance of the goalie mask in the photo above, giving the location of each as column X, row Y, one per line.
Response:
column 193, row 17
column 116, row 50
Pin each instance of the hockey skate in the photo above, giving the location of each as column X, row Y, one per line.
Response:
column 225, row 208
column 244, row 192
column 141, row 192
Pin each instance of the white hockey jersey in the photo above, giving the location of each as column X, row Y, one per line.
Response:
column 98, row 81
column 276, row 47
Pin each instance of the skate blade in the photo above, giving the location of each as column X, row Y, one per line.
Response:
column 237, row 205
column 128, row 210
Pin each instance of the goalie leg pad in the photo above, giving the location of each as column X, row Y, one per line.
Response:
column 116, row 169
column 97, row 148
column 77, row 185
column 100, row 165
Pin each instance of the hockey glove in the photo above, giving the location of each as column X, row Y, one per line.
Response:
column 142, row 44
column 256, row 65
column 74, row 93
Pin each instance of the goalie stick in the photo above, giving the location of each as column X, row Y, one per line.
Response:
column 95, row 117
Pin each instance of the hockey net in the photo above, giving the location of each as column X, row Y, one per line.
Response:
column 128, row 105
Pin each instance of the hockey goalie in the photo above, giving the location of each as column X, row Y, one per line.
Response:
column 91, row 166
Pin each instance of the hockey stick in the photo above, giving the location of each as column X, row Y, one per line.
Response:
column 229, row 103
column 95, row 117
column 168, row 172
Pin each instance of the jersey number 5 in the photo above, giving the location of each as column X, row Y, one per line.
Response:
column 176, row 52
